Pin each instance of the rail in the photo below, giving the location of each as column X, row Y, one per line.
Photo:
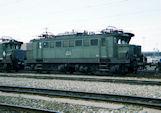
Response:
column 23, row 108
column 125, row 81
column 153, row 102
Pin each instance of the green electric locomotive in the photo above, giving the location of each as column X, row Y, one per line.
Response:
column 11, row 55
column 106, row 52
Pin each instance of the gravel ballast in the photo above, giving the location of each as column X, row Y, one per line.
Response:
column 100, row 87
column 70, row 106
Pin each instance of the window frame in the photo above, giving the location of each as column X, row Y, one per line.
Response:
column 77, row 43
column 52, row 44
column 71, row 43
column 65, row 43
column 45, row 44
column 93, row 43
column 57, row 45
column 86, row 41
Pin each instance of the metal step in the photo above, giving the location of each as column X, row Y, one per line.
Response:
column 102, row 65
column 104, row 70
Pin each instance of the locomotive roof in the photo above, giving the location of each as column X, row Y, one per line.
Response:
column 118, row 34
column 12, row 41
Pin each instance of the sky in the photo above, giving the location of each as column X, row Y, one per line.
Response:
column 23, row 20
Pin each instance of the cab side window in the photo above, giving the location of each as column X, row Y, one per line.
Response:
column 94, row 42
column 58, row 44
column 45, row 44
column 78, row 43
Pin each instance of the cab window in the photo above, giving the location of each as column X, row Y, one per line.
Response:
column 58, row 44
column 94, row 42
column 78, row 43
column 45, row 44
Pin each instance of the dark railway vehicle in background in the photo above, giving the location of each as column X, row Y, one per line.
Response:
column 11, row 55
column 107, row 51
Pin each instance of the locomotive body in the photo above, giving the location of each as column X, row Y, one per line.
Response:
column 108, row 51
column 11, row 55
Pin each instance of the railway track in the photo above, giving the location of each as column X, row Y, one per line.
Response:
column 152, row 102
column 125, row 81
column 9, row 107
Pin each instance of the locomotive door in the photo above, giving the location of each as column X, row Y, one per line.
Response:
column 68, row 50
column 39, row 51
column 103, row 48
column 68, row 53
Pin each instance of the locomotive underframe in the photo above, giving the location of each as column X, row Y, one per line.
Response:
column 81, row 65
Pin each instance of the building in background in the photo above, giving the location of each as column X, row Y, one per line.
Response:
column 153, row 57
